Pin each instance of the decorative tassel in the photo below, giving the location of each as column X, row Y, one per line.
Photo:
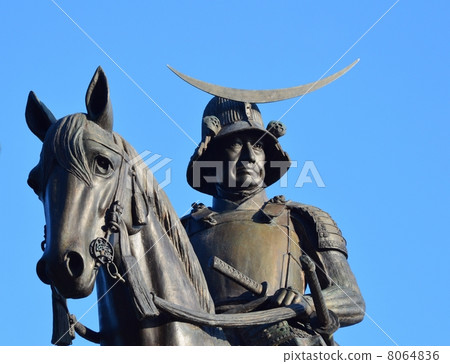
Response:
column 62, row 331
column 139, row 210
column 139, row 204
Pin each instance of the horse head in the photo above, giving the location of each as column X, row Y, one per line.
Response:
column 78, row 178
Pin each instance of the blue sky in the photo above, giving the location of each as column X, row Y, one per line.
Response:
column 379, row 136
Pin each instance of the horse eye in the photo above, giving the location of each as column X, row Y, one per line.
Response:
column 102, row 166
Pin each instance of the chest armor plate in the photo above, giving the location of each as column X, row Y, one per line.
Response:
column 266, row 251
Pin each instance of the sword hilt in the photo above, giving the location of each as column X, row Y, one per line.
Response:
column 316, row 291
column 240, row 278
column 328, row 321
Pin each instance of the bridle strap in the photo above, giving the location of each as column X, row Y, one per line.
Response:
column 143, row 298
column 62, row 332
column 124, row 164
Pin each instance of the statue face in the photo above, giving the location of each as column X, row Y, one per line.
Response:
column 244, row 160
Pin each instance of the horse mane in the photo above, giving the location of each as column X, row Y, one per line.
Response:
column 170, row 223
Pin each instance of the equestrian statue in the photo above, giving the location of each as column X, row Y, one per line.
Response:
column 234, row 273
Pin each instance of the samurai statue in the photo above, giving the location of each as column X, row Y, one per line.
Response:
column 272, row 248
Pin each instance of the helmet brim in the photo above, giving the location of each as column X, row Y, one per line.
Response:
column 203, row 166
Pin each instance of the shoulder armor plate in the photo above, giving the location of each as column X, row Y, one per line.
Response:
column 328, row 234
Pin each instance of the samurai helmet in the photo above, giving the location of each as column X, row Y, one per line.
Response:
column 234, row 111
column 222, row 119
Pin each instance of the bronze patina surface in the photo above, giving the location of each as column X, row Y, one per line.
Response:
column 261, row 96
column 233, row 273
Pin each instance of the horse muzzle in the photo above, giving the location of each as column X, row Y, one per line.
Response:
column 70, row 274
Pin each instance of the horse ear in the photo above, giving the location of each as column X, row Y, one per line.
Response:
column 38, row 117
column 98, row 104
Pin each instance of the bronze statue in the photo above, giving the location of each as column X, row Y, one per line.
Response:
column 109, row 223
column 248, row 238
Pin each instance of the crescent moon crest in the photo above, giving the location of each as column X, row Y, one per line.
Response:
column 262, row 96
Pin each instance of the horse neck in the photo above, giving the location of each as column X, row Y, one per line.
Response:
column 163, row 241
column 162, row 246
column 170, row 257
column 163, row 270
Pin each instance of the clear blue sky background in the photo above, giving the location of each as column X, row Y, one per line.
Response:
column 379, row 136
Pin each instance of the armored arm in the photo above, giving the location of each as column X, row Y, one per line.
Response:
column 323, row 242
column 342, row 295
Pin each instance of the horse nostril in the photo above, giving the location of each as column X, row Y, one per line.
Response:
column 74, row 264
column 41, row 271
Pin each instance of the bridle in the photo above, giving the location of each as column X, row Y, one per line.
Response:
column 102, row 251
column 100, row 248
